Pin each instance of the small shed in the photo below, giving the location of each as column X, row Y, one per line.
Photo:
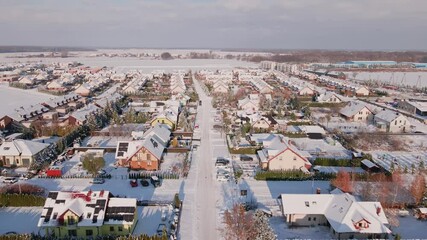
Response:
column 421, row 213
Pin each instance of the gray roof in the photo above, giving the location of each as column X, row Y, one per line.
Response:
column 352, row 108
column 387, row 115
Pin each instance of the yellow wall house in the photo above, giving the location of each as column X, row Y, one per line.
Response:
column 165, row 118
column 87, row 215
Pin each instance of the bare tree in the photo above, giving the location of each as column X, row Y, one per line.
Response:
column 343, row 182
column 418, row 188
column 239, row 225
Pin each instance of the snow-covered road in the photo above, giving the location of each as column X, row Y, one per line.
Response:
column 201, row 190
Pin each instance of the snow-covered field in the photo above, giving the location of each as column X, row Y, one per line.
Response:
column 13, row 98
column 19, row 219
column 397, row 78
column 134, row 63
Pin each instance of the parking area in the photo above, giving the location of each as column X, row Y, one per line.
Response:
column 153, row 219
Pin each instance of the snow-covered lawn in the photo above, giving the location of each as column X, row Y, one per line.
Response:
column 411, row 228
column 19, row 219
column 13, row 98
column 150, row 217
column 282, row 230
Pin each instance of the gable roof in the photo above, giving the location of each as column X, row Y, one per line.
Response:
column 21, row 147
column 353, row 108
column 387, row 115
column 341, row 210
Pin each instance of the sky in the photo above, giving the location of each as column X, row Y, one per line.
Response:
column 255, row 24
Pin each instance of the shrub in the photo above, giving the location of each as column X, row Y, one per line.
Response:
column 21, row 200
column 337, row 162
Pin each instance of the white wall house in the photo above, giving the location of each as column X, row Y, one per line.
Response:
column 390, row 121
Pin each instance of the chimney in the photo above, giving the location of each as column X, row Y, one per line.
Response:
column 378, row 211
column 318, row 190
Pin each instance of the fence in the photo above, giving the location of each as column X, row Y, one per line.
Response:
column 146, row 174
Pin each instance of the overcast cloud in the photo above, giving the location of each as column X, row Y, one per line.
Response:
column 267, row 24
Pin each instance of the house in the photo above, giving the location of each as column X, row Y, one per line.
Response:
column 5, row 122
column 361, row 91
column 306, row 91
column 145, row 153
column 21, row 152
column 87, row 215
column 279, row 154
column 330, row 97
column 390, row 121
column 264, row 123
column 357, row 112
column 55, row 86
column 166, row 117
column 84, row 90
column 249, row 103
column 26, row 80
column 346, row 217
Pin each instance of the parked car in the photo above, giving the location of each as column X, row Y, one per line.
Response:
column 223, row 178
column 133, row 183
column 9, row 180
column 144, row 183
column 155, row 181
column 221, row 161
column 98, row 181
column 246, row 158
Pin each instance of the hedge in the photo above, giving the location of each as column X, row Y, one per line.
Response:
column 21, row 200
column 243, row 150
column 337, row 162
column 292, row 175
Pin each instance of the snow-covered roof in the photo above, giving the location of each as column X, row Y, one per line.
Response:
column 342, row 211
column 93, row 208
column 20, row 147
column 353, row 108
column 387, row 115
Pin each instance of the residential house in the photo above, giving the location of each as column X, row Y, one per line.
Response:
column 264, row 123
column 146, row 153
column 167, row 117
column 357, row 112
column 84, row 90
column 390, row 121
column 56, row 86
column 87, row 215
column 361, row 91
column 21, row 152
column 249, row 103
column 346, row 217
column 306, row 91
column 330, row 97
column 279, row 154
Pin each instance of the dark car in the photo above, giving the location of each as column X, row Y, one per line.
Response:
column 155, row 181
column 144, row 183
column 221, row 162
column 246, row 158
column 133, row 183
column 160, row 229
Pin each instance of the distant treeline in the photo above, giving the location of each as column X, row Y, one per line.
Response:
column 14, row 49
column 340, row 56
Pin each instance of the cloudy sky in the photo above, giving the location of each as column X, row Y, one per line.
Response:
column 266, row 24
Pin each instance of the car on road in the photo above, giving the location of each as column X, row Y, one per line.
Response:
column 245, row 158
column 133, row 183
column 144, row 183
column 98, row 181
column 9, row 180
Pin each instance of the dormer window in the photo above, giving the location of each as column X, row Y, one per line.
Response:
column 89, row 215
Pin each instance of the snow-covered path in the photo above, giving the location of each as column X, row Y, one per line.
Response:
column 199, row 219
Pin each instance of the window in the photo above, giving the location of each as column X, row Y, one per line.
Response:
column 72, row 233
column 148, row 163
column 89, row 232
column 55, row 215
column 17, row 161
column 89, row 215
column 120, row 228
column 111, row 229
column 314, row 219
column 148, row 157
column 309, row 218
column 395, row 122
column 295, row 158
